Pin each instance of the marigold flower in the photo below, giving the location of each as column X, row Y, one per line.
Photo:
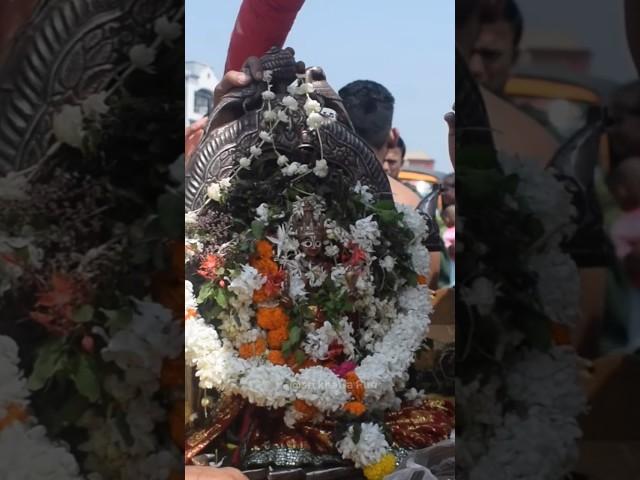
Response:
column 261, row 346
column 309, row 411
column 264, row 249
column 15, row 413
column 355, row 408
column 272, row 318
column 276, row 338
column 246, row 350
column 276, row 357
column 379, row 470
column 253, row 349
column 354, row 386
column 265, row 266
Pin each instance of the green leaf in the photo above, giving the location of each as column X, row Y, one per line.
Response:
column 206, row 291
column 221, row 297
column 50, row 360
column 83, row 314
column 357, row 431
column 85, row 378
column 257, row 229
column 300, row 357
column 294, row 334
column 385, row 205
column 117, row 319
column 66, row 413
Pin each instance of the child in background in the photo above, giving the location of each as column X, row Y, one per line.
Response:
column 449, row 218
column 625, row 232
column 624, row 184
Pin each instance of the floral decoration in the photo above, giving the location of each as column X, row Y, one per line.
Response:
column 517, row 385
column 300, row 301
column 89, row 278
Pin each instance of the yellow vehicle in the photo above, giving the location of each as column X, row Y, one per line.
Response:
column 561, row 101
column 425, row 182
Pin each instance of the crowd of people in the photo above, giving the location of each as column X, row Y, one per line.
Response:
column 491, row 59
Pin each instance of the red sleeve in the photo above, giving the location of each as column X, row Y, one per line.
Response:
column 261, row 24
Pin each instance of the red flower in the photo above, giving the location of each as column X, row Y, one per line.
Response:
column 335, row 350
column 271, row 288
column 274, row 283
column 355, row 257
column 55, row 306
column 210, row 266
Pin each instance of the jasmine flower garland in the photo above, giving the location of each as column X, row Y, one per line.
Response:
column 518, row 389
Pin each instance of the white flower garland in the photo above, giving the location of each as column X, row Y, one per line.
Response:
column 540, row 442
column 402, row 322
column 27, row 452
column 370, row 447
column 219, row 366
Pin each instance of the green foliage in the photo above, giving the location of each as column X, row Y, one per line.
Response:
column 84, row 314
column 51, row 358
column 84, row 373
column 295, row 335
column 207, row 292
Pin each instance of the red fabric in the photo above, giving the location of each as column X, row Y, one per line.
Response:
column 261, row 24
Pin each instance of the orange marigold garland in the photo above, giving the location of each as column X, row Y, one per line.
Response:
column 277, row 337
column 14, row 413
column 306, row 410
column 276, row 357
column 264, row 249
column 355, row 408
column 253, row 349
column 272, row 318
column 354, row 386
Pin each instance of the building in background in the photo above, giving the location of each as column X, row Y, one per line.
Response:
column 555, row 50
column 418, row 161
column 199, row 82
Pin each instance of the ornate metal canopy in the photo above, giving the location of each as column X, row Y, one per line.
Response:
column 235, row 125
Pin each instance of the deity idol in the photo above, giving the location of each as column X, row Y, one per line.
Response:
column 310, row 284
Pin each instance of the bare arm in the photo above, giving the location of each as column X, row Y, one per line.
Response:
column 209, row 473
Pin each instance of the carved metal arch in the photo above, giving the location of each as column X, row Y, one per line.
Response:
column 234, row 126
column 69, row 50
column 218, row 154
